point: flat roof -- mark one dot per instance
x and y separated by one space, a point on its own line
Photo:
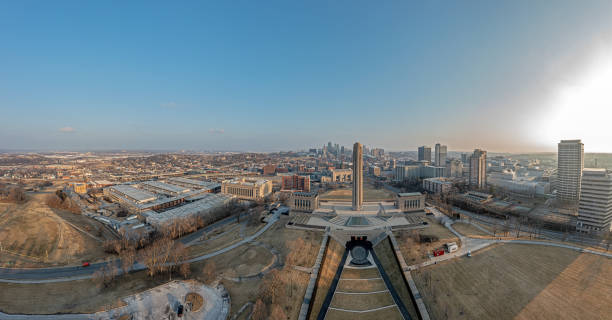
134 193
165 186
200 183
409 194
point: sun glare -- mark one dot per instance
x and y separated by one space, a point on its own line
582 109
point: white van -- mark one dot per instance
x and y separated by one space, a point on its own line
451 247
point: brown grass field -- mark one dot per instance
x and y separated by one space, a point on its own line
248 290
84 297
469 230
34 235
330 263
385 314
515 281
80 296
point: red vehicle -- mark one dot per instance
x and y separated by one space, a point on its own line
85 264
438 252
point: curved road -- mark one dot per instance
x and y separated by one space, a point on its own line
60 274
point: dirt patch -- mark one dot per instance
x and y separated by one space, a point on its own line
195 300
514 280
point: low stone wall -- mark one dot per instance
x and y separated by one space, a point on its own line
313 278
414 291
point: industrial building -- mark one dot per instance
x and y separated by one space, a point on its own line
164 188
247 188
153 195
205 205
207 186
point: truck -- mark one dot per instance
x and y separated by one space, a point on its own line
451 247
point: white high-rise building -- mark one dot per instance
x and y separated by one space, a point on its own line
478 169
569 170
595 209
440 155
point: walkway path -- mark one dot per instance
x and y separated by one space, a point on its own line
473 244
156 303
61 274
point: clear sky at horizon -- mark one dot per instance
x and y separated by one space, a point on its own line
279 75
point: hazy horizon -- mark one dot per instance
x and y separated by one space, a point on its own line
507 77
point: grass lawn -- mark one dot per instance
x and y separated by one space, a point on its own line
361 302
469 230
515 281
385 254
385 314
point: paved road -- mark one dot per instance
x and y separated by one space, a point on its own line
550 234
474 244
60 274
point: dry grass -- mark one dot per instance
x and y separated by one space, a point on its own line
362 302
241 259
385 314
80 296
350 273
385 254
34 235
415 252
513 280
361 285
84 297
330 263
469 230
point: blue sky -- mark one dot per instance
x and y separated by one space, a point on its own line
266 76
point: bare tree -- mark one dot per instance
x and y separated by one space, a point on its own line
128 257
273 287
277 313
259 311
185 269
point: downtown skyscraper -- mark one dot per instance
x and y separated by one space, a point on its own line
478 169
570 163
440 155
425 153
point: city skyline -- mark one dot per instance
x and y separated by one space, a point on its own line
396 76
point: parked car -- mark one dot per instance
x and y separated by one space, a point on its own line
85 264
